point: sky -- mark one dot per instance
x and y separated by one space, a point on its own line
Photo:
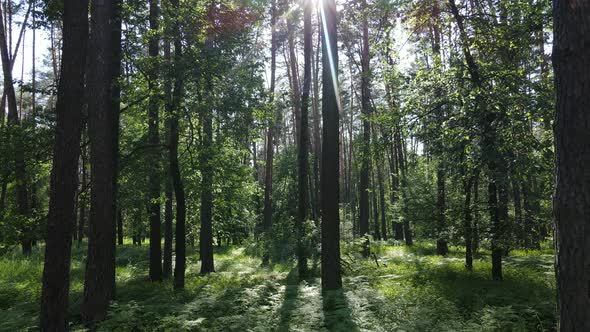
43 44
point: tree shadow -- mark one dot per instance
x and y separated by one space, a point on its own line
337 312
289 301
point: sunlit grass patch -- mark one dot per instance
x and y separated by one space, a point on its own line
397 288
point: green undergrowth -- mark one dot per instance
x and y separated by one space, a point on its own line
397 289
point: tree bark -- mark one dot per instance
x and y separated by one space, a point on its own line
120 226
366 112
155 267
180 232
22 202
267 223
467 224
571 202
64 180
103 122
296 93
83 194
206 233
303 156
442 247
330 190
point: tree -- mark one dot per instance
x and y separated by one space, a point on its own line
267 212
303 156
22 196
206 167
64 180
103 122
330 186
155 271
571 202
366 112
179 194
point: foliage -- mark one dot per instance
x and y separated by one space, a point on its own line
412 289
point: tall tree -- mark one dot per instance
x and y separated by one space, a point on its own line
64 179
491 155
22 196
571 203
366 111
155 271
99 285
179 195
206 167
303 157
330 184
267 222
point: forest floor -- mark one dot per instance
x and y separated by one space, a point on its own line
412 289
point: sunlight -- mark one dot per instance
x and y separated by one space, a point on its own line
331 59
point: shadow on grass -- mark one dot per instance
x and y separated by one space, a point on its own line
337 313
525 290
290 301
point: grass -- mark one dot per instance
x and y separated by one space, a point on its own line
411 290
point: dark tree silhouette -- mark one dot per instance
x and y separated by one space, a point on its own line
330 187
103 122
61 220
571 61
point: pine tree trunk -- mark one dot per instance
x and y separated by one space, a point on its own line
303 155
467 224
382 202
179 195
103 105
267 223
206 233
64 180
442 247
475 227
155 267
366 112
82 196
22 202
120 226
330 227
571 202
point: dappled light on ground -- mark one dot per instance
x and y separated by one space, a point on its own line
410 290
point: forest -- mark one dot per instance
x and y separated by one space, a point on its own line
295 165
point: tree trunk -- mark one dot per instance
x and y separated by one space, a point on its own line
316 130
83 192
442 247
518 222
180 234
206 233
366 112
296 90
22 201
167 268
64 180
103 116
475 228
467 224
382 202
155 268
402 166
330 227
491 153
120 226
377 233
303 156
571 202
267 223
